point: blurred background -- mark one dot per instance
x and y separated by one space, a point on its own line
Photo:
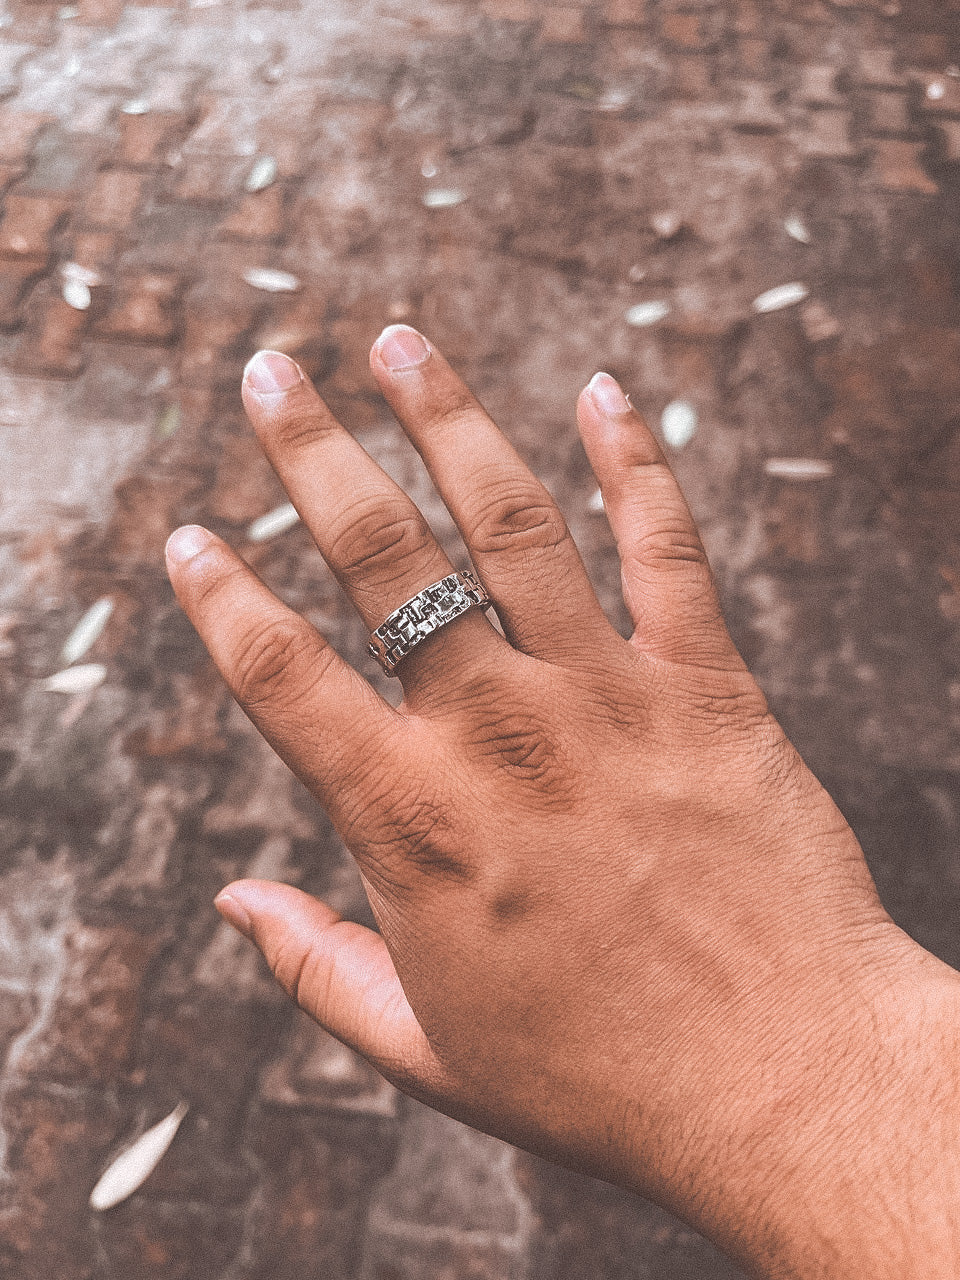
745 209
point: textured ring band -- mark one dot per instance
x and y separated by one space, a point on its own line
424 613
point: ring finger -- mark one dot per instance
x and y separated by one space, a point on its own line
372 535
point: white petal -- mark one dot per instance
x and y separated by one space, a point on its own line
76 294
271 281
647 313
279 520
262 174
443 197
797 228
133 1166
87 631
74 271
785 295
679 423
799 468
76 679
666 224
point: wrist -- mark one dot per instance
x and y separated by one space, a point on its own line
847 1161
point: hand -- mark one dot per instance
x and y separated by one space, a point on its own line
620 922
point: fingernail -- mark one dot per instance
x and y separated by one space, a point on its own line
401 347
187 542
608 395
234 913
271 372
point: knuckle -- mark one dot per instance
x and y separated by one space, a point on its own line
514 517
290 966
380 543
208 588
673 547
522 744
450 409
522 748
733 701
297 424
276 662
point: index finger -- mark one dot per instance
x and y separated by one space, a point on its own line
318 714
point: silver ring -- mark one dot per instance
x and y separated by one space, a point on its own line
424 613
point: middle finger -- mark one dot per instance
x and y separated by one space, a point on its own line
374 538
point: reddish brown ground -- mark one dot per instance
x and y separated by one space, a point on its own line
609 154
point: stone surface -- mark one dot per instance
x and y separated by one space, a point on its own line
608 154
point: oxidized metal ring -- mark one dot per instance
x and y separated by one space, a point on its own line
424 613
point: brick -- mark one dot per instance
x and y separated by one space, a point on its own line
145 308
114 199
28 225
146 139
259 216
16 279
889 112
827 135
316 1071
61 163
419 1191
18 129
879 67
91 1031
99 13
929 49
52 344
757 109
509 10
399 1257
746 18
245 486
209 179
216 316
691 78
170 234
309 1220
626 13
685 31
754 57
949 133
172 90
58 1142
563 26
95 250
12 56
8 175
178 1241
819 85
227 125
896 166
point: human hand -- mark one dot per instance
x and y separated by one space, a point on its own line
621 924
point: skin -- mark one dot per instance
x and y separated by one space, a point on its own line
620 922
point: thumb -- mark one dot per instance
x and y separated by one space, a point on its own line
338 972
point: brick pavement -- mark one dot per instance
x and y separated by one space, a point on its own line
513 176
